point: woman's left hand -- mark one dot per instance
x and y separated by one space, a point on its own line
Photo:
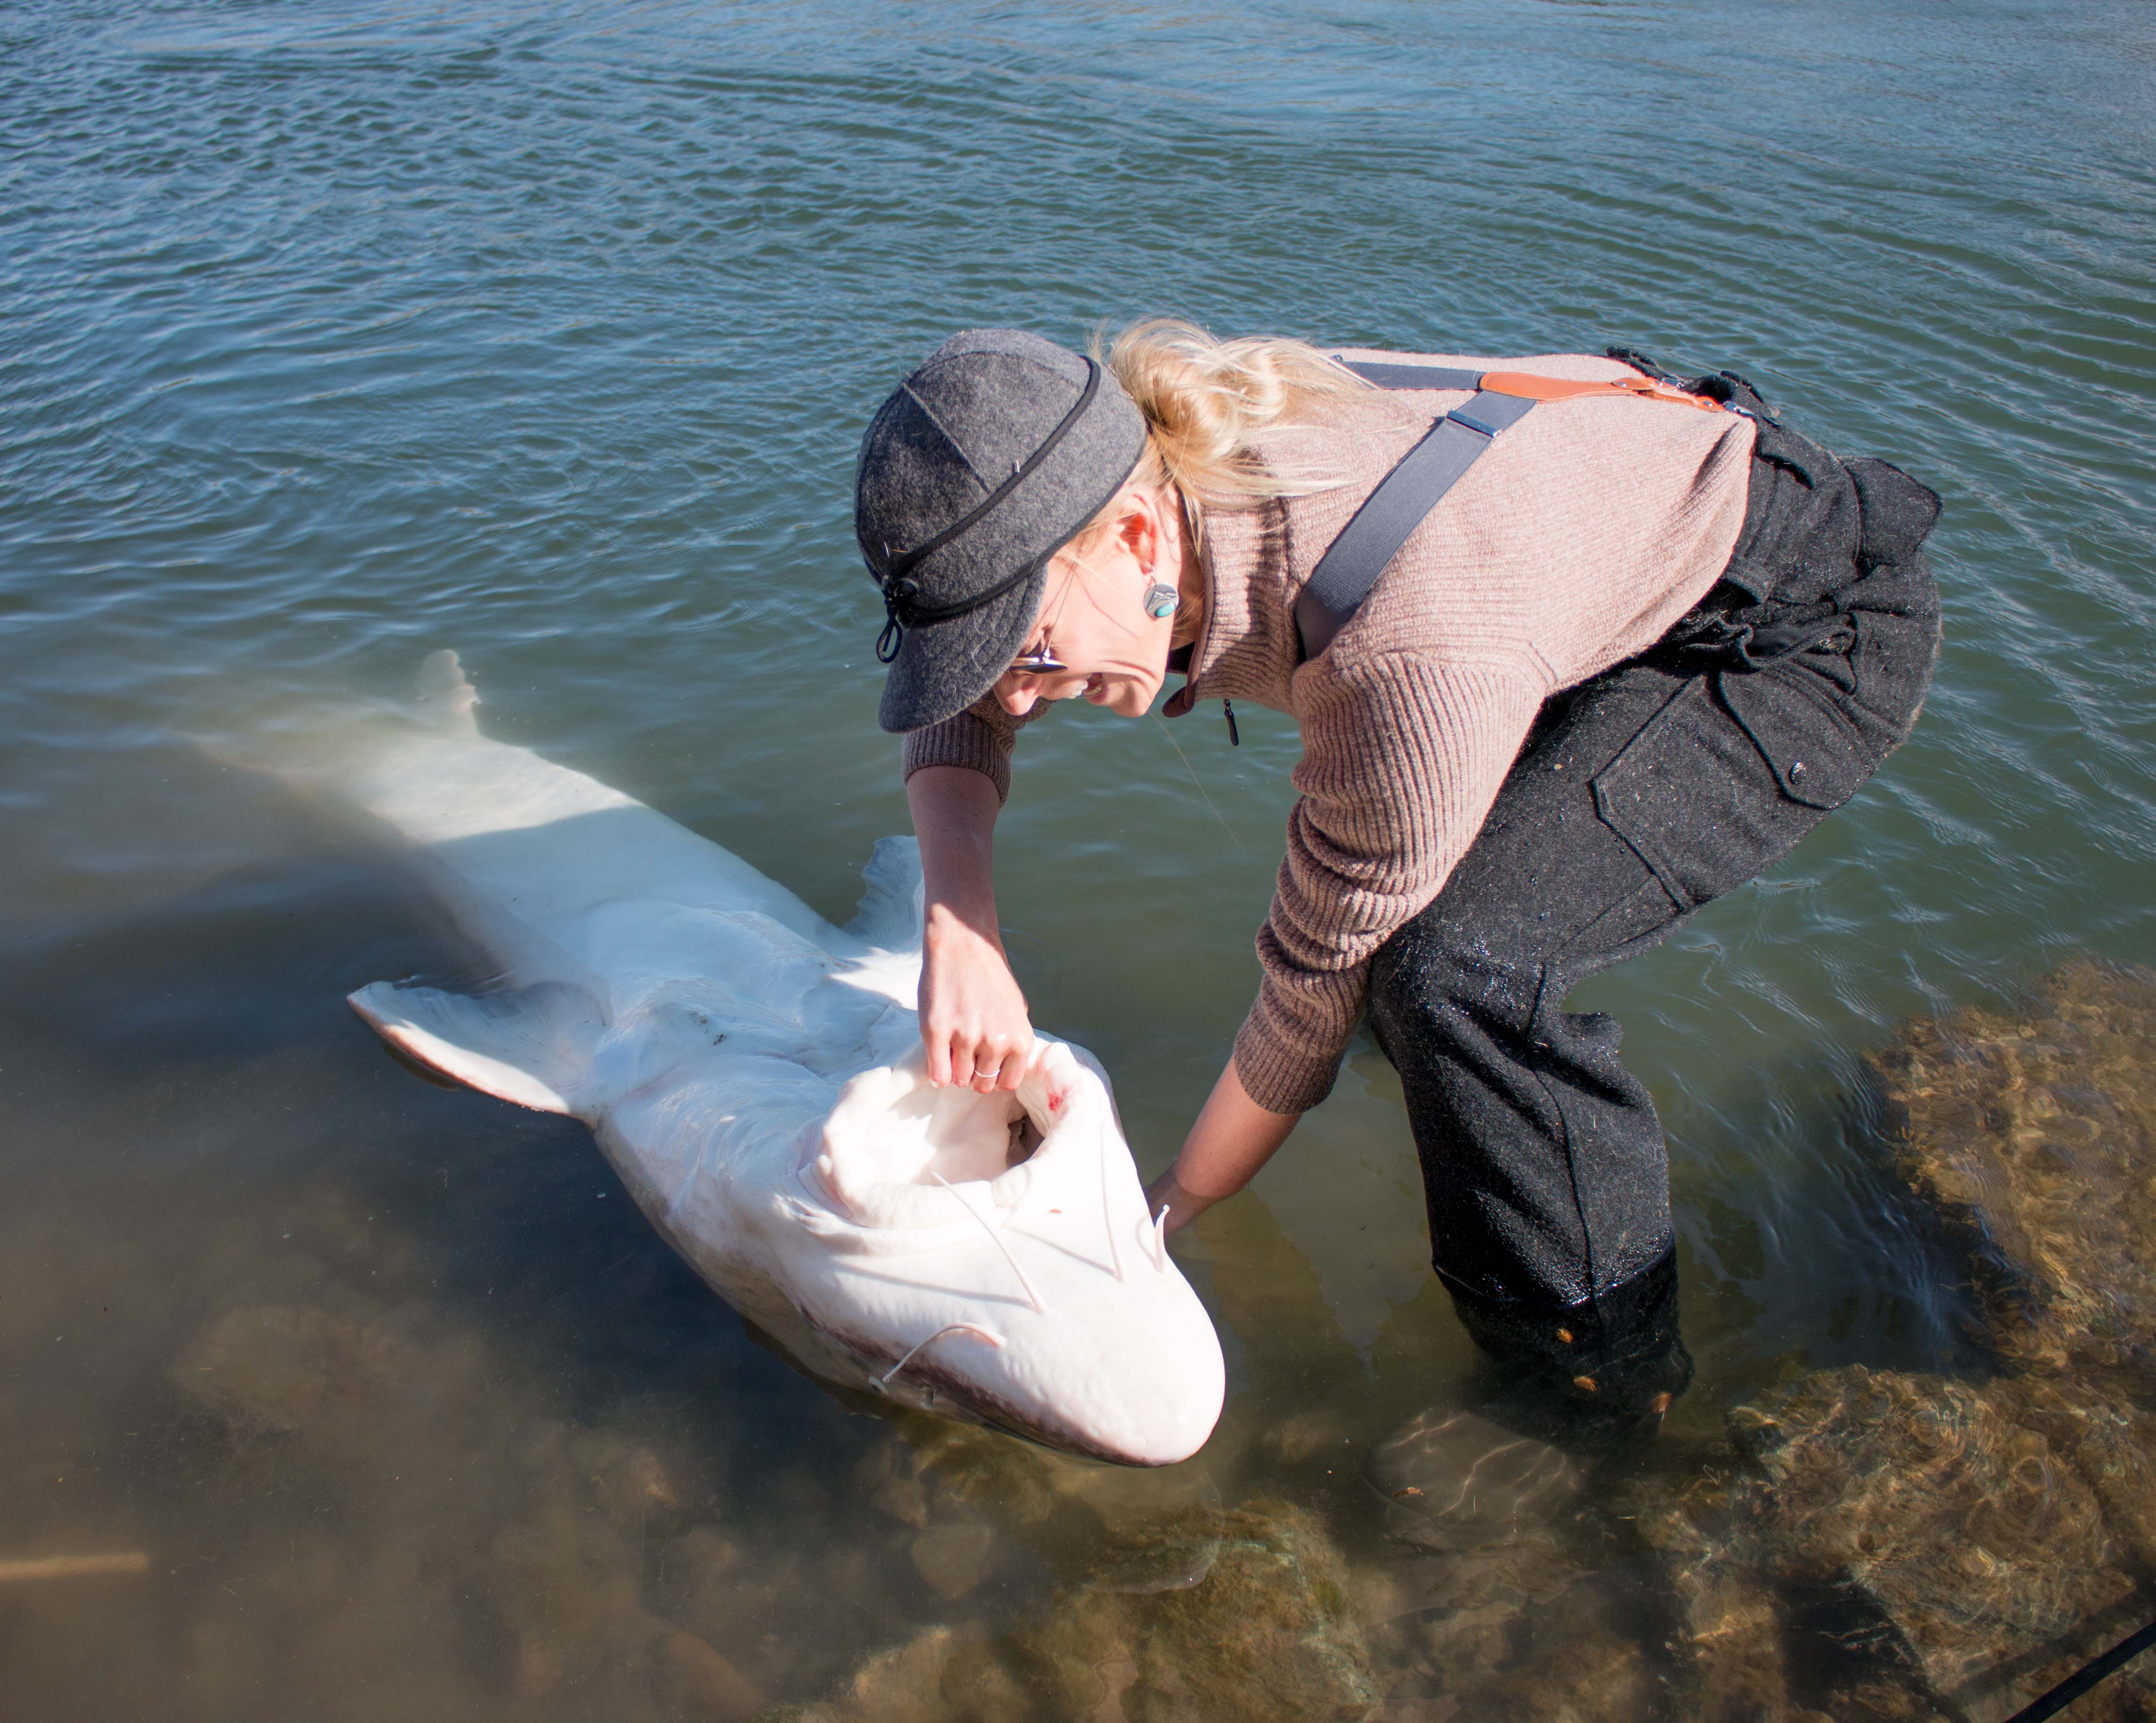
1183 1207
1234 1137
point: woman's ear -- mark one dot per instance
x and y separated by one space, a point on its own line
1140 529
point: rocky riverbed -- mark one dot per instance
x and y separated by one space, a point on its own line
1866 1544
1363 1539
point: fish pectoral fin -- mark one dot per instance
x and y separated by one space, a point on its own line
889 914
445 697
533 1047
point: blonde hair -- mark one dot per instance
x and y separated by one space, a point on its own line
1214 410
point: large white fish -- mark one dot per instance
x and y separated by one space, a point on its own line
755 1076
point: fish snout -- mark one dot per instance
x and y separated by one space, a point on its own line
1136 1380
1002 1267
944 1374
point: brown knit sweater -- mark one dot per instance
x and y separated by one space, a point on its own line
1575 541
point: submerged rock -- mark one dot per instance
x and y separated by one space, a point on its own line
1901 1545
1730 1635
1985 1536
903 1684
1585 1663
1447 1628
1072 1516
1264 1636
1910 1545
274 1374
489 1534
1455 1480
954 1559
1931 1523
2035 1138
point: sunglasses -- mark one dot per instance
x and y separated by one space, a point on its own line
1043 663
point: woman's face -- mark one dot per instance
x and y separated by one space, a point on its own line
1093 617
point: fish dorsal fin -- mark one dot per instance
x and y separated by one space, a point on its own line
889 914
533 1047
445 697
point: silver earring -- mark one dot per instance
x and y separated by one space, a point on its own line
1160 601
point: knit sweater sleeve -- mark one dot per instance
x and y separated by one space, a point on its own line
1402 757
981 738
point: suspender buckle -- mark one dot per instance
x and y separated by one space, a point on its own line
1648 388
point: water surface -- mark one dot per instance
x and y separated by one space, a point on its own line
333 334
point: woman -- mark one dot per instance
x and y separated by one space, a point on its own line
1645 640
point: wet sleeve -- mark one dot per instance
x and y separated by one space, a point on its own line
1402 759
980 738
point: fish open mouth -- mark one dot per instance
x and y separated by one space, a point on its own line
999 1250
894 1142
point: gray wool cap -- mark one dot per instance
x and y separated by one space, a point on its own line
984 464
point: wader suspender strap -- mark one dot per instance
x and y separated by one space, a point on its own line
1348 571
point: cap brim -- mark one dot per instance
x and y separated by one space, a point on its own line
942 668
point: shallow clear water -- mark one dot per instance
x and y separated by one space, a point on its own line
333 335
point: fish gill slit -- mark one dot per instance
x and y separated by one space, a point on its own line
995 1238
989 1335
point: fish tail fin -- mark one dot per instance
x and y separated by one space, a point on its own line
890 911
445 697
533 1047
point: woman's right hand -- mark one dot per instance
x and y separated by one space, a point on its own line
973 1020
